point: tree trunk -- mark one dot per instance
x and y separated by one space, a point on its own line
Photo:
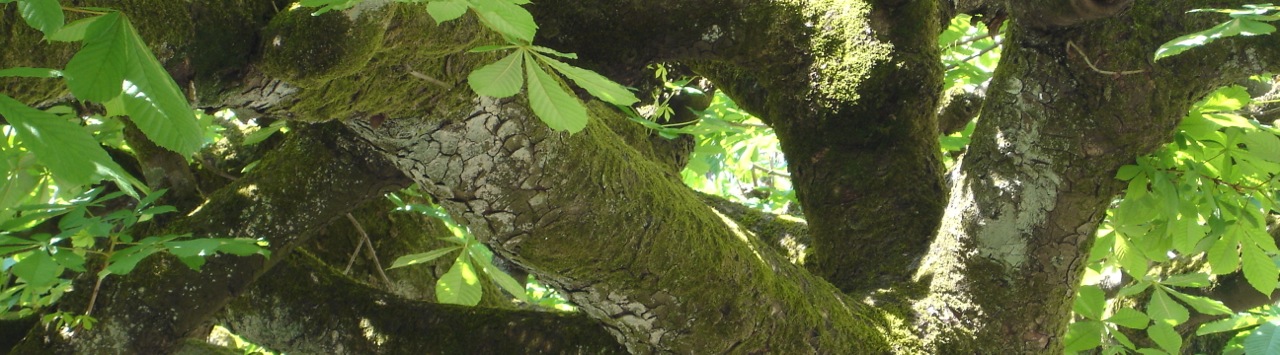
851 88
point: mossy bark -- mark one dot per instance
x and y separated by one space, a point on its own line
298 189
850 86
305 306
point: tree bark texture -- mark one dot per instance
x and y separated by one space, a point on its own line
899 263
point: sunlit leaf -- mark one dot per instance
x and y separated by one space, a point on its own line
459 285
499 79
1129 318
1083 336
96 72
44 15
552 104
67 150
506 18
1258 269
1090 302
446 10
1165 310
1264 340
1164 335
419 258
595 84
154 102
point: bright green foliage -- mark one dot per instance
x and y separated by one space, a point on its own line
1264 340
1251 20
556 107
502 78
96 72
42 265
61 145
460 285
44 15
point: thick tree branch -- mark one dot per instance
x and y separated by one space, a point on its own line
305 306
312 179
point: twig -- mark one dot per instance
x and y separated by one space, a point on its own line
979 54
1072 45
429 79
372 254
208 165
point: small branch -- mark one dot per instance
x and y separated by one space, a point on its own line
214 169
771 172
428 79
83 11
373 254
1072 45
979 54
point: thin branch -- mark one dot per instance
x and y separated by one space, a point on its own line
1072 45
427 78
372 254
979 54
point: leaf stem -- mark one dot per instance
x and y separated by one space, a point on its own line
83 11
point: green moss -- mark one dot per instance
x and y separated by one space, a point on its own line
392 84
309 51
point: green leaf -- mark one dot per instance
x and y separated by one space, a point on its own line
1237 322
242 247
1165 310
541 49
74 31
70 260
24 72
1223 256
1263 144
596 84
43 15
513 287
1202 304
1129 318
1264 340
1128 172
1164 335
1083 336
553 105
502 78
1198 279
39 270
1258 269
72 154
96 72
419 258
446 10
154 102
193 252
491 47
1090 302
124 260
459 286
506 18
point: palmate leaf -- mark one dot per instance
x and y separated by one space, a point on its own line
72 154
1129 318
552 104
1090 302
154 102
74 31
43 15
1202 304
502 78
96 72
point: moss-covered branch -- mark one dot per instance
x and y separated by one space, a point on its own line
313 178
280 313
